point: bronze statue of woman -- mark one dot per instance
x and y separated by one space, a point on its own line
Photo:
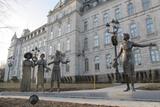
128 59
56 74
42 65
26 73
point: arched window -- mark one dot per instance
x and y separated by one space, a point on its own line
68 27
59 31
68 45
133 30
106 18
59 46
146 4
86 65
137 57
50 50
51 36
95 20
86 44
97 63
107 38
108 61
67 67
155 54
149 25
96 40
117 13
130 9
120 34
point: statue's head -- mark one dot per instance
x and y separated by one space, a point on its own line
28 55
58 53
126 36
42 56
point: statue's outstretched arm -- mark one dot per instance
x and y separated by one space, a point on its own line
65 62
143 45
51 62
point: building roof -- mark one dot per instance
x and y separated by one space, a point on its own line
14 36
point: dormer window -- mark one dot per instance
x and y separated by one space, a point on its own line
43 29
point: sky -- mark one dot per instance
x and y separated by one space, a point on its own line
19 15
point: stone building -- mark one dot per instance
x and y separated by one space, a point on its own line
78 28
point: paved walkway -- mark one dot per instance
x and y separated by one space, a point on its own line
108 96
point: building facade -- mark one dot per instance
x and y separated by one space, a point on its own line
78 28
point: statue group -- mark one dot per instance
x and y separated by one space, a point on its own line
125 52
42 68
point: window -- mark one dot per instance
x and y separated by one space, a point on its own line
50 50
44 42
63 47
67 67
43 29
59 46
25 50
130 9
59 31
51 32
97 63
86 65
137 57
95 20
96 40
108 61
117 13
107 37
85 25
133 30
68 27
149 25
146 4
155 54
40 43
120 34
106 18
86 44
68 45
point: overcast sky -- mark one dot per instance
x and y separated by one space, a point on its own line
18 15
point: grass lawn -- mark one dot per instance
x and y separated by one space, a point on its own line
64 87
150 86
25 103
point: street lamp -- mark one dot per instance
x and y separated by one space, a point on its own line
10 63
34 59
112 28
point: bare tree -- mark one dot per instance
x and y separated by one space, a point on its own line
5 9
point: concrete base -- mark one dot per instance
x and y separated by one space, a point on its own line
113 96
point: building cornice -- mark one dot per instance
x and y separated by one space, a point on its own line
60 19
55 10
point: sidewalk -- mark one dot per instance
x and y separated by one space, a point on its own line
113 96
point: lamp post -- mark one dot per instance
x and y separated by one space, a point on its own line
10 63
34 59
112 28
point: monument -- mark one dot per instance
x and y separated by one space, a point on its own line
128 59
26 75
56 75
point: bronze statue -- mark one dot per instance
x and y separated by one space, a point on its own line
42 67
128 59
56 75
26 73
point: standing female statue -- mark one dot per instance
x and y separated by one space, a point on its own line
56 74
26 73
42 65
128 59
